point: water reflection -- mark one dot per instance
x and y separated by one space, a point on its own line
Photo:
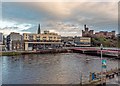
64 68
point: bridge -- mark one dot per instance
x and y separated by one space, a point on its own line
110 52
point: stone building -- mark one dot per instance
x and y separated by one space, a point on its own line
86 32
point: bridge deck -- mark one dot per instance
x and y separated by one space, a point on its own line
97 51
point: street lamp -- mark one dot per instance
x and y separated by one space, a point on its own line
101 48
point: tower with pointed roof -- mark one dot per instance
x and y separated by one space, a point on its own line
39 31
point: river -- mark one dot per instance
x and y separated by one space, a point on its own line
62 68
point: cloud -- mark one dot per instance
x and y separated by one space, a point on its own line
8 26
61 1
62 17
81 11
65 29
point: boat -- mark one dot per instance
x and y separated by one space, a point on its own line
87 59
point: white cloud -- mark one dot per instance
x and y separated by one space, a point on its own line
64 29
7 27
6 24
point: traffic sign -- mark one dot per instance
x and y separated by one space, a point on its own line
104 65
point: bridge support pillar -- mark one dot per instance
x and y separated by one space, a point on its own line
83 51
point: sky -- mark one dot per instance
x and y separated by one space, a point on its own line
64 17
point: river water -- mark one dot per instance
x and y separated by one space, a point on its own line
62 68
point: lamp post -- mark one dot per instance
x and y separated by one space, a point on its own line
101 48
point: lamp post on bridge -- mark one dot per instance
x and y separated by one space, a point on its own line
101 48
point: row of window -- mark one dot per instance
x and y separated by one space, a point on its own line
44 41
42 37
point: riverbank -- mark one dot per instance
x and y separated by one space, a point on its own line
14 53
87 51
10 53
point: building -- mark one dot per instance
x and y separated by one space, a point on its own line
86 32
118 35
1 38
90 33
1 42
39 41
67 39
82 41
76 41
14 41
105 34
85 41
44 37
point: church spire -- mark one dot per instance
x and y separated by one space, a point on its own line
39 32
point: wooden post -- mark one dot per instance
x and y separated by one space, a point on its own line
81 79
90 77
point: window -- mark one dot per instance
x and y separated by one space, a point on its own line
50 38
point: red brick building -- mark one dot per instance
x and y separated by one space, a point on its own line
105 34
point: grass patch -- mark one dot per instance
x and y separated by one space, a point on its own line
10 53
